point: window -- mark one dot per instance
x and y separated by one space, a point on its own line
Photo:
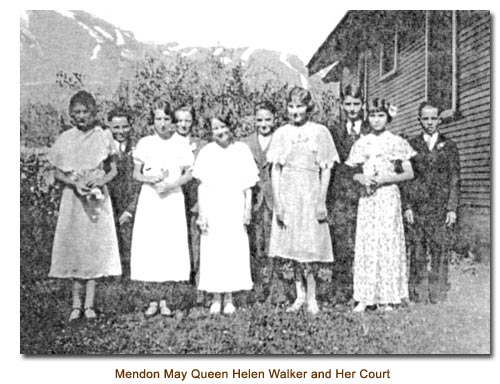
389 53
441 60
363 72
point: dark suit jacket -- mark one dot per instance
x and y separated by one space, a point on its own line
263 191
435 188
190 189
343 190
123 189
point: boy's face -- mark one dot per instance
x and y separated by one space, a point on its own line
352 107
264 121
120 128
429 119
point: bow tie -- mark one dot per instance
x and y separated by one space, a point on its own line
430 140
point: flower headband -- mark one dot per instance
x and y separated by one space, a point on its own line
384 105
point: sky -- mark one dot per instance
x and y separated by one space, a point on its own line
285 26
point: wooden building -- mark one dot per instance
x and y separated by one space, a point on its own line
411 56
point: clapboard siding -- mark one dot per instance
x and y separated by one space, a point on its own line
405 89
471 130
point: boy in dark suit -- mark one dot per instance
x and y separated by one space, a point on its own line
343 192
123 189
430 202
262 199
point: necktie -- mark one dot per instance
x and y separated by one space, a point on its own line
353 136
427 139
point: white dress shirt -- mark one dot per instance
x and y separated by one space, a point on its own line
431 140
356 127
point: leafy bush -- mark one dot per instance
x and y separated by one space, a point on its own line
39 206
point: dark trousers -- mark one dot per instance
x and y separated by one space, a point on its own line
124 235
343 232
429 243
194 237
260 235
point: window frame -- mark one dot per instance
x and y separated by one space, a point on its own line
395 55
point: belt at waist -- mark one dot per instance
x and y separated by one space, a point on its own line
299 168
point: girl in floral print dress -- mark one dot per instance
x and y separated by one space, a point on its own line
380 276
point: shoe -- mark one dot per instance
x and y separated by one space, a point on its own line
164 310
152 309
295 306
360 307
388 308
200 298
300 299
312 307
90 313
229 309
215 307
75 314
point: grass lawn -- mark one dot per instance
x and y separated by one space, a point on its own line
461 325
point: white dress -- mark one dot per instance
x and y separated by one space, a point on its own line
225 173
160 249
85 246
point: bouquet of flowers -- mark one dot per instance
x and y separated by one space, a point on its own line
94 197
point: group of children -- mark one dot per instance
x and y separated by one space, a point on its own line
308 193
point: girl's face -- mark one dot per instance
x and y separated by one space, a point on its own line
163 124
297 112
184 122
83 116
220 133
352 107
377 120
264 121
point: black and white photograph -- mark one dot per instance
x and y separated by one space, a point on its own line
244 178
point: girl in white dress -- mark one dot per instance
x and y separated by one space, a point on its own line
227 171
160 250
85 244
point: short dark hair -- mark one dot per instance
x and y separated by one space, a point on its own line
303 95
120 112
266 105
424 104
84 98
160 105
225 117
185 108
380 105
355 91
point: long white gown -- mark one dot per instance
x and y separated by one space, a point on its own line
225 173
160 249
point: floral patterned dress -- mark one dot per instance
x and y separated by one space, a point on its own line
380 268
302 152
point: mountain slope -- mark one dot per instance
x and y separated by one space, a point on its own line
70 42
